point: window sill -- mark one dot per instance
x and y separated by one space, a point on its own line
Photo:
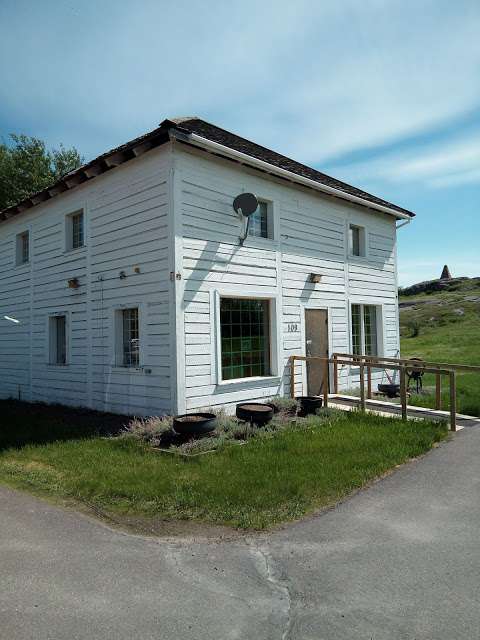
360 259
127 370
252 242
79 250
246 382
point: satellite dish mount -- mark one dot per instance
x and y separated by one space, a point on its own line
245 205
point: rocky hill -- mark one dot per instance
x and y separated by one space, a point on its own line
437 303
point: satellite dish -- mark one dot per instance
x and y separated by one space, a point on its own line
246 204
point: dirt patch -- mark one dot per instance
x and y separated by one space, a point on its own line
162 528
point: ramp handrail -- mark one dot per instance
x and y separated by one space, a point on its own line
365 362
385 362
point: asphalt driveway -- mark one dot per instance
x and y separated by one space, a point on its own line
400 560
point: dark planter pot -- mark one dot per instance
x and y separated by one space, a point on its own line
390 390
255 413
308 405
194 424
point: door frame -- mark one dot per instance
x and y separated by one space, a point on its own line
319 307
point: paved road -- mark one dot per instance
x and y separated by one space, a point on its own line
400 561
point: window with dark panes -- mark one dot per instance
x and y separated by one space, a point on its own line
364 330
258 222
130 338
23 248
58 340
357 241
245 337
77 230
356 330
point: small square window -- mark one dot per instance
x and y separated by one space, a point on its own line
128 338
260 223
357 245
58 340
23 248
75 229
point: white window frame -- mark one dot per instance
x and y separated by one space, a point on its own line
19 262
117 337
52 339
275 320
380 315
273 227
69 230
363 240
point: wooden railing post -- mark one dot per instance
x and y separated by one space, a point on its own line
453 401
362 386
369 381
335 374
438 392
292 376
403 392
326 382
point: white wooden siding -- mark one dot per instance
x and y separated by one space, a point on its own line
127 225
312 239
170 211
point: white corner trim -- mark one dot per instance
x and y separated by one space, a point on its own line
177 290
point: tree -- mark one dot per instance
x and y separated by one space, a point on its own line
27 166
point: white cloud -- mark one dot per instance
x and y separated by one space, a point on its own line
310 79
458 178
437 165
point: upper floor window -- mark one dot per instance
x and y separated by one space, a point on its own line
364 330
260 222
357 243
23 248
58 339
75 229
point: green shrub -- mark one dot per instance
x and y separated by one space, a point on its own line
284 405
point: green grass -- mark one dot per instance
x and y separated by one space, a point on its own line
265 482
446 336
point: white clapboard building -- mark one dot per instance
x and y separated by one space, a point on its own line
126 286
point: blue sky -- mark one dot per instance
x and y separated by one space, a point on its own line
382 94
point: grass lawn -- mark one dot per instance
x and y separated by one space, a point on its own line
269 480
457 343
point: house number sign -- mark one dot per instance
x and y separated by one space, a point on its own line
292 327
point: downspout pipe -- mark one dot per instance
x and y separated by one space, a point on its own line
402 224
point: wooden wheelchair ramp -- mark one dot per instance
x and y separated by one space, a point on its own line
348 403
366 365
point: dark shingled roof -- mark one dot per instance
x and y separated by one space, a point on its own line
160 135
231 140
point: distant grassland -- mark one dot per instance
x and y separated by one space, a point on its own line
448 326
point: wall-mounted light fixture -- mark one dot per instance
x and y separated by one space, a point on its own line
73 283
315 278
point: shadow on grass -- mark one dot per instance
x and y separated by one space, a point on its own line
23 423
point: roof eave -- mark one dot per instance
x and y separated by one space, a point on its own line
89 171
185 136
